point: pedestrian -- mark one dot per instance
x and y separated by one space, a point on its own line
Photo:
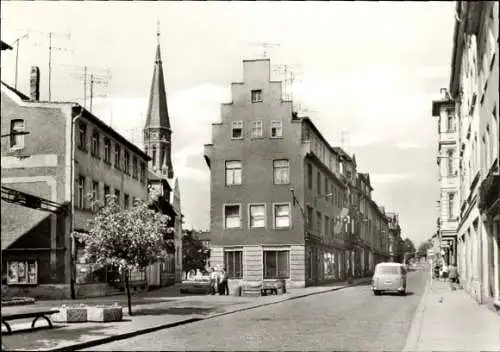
223 286
453 276
213 281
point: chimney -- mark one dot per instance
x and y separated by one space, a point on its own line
35 83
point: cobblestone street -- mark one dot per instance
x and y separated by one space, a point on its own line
349 319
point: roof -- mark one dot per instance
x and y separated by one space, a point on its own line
17 220
5 46
109 130
436 105
15 91
157 114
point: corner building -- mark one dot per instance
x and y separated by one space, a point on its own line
261 151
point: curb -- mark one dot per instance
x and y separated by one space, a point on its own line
416 323
92 343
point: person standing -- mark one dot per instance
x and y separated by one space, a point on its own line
224 286
213 281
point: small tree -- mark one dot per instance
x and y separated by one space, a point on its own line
422 249
194 254
127 238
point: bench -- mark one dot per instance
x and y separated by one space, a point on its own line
33 314
273 287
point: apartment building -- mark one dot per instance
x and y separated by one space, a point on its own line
280 193
66 154
473 91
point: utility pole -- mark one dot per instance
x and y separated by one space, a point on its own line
265 47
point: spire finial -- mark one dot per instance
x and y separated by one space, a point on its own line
158 31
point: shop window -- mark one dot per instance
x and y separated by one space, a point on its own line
276 264
22 272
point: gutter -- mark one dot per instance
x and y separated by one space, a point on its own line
72 195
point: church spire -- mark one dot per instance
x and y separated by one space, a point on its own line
157 115
157 132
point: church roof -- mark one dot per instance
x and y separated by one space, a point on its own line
157 115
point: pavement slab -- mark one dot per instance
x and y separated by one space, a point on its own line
450 320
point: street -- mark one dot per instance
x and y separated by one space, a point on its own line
348 319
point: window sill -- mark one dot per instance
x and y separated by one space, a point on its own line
257 101
22 284
277 137
254 137
237 138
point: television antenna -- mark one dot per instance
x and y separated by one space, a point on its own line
52 35
16 43
265 47
344 135
91 76
288 74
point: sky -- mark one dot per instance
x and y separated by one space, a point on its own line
365 73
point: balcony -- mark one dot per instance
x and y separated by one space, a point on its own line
488 191
448 136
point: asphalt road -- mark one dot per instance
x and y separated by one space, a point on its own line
349 319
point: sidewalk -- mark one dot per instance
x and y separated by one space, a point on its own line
451 321
151 312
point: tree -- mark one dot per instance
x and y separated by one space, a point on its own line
408 249
422 249
194 254
127 238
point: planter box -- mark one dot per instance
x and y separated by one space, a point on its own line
104 313
71 315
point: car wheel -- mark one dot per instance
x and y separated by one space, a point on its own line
403 293
183 291
376 292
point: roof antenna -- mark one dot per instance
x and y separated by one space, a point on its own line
158 31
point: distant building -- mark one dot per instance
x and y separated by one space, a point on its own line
394 237
283 200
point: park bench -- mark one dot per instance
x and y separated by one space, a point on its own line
32 314
273 287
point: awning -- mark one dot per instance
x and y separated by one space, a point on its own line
17 220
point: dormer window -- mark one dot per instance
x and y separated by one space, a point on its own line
17 134
257 96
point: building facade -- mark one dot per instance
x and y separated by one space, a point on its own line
68 157
281 195
473 93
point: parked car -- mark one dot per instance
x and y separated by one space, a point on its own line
196 284
389 277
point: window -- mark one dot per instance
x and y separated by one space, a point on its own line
309 216
281 215
16 134
24 272
232 216
117 156
107 150
257 129
450 162
309 176
135 167
451 122
237 130
233 173
106 193
276 129
94 148
117 195
95 191
326 188
233 261
256 95
281 172
126 200
126 162
81 192
82 136
318 222
318 182
143 173
451 198
257 215
327 226
153 155
276 264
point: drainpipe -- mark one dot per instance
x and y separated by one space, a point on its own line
72 195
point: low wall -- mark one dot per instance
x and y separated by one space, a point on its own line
47 291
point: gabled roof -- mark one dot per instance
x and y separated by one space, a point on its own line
157 114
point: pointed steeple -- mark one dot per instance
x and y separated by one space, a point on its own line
157 132
157 115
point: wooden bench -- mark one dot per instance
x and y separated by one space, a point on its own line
33 314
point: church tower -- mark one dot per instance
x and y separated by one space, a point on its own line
157 131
